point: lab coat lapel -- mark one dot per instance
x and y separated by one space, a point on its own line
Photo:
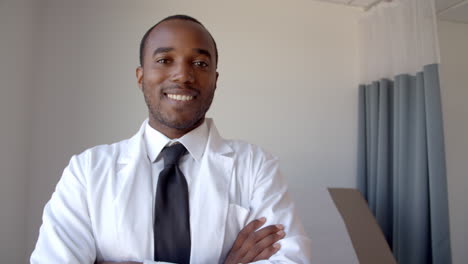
209 200
133 200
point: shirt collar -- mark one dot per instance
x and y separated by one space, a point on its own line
194 141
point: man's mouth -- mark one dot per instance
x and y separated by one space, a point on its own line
180 97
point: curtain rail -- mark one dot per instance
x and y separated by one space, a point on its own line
456 5
375 3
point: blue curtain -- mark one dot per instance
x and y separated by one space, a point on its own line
401 169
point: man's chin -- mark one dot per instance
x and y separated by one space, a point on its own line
182 124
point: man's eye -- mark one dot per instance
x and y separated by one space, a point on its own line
163 61
201 64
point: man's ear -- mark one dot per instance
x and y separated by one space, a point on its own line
139 76
216 80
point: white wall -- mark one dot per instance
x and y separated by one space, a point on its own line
453 38
287 82
15 85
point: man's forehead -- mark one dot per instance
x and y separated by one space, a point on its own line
178 30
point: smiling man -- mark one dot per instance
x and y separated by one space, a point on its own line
177 191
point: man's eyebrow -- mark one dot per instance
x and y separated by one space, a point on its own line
162 50
204 52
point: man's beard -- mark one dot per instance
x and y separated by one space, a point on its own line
158 115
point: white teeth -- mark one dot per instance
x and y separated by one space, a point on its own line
180 97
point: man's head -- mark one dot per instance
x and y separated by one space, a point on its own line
181 17
178 74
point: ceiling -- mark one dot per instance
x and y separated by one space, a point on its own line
453 10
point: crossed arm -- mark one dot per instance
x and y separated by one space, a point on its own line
66 233
250 245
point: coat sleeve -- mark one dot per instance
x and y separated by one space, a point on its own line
270 198
65 236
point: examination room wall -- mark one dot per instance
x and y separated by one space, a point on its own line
453 38
288 82
15 86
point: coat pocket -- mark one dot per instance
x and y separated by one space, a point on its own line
236 220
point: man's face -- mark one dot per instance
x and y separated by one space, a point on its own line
178 76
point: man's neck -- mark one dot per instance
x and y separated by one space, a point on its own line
171 132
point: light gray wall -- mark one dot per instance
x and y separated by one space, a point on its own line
287 82
453 38
15 85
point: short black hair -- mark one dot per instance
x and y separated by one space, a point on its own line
174 17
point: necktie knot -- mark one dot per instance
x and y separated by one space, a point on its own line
172 154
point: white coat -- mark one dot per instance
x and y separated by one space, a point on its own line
102 206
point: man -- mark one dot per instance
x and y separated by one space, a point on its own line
176 191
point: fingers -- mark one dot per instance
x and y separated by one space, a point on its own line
266 231
265 247
247 231
268 252
259 235
252 245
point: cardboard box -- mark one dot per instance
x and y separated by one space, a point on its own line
366 236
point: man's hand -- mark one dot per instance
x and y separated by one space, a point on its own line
252 246
249 246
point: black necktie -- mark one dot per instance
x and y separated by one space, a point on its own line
171 214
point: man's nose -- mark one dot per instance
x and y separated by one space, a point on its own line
183 73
